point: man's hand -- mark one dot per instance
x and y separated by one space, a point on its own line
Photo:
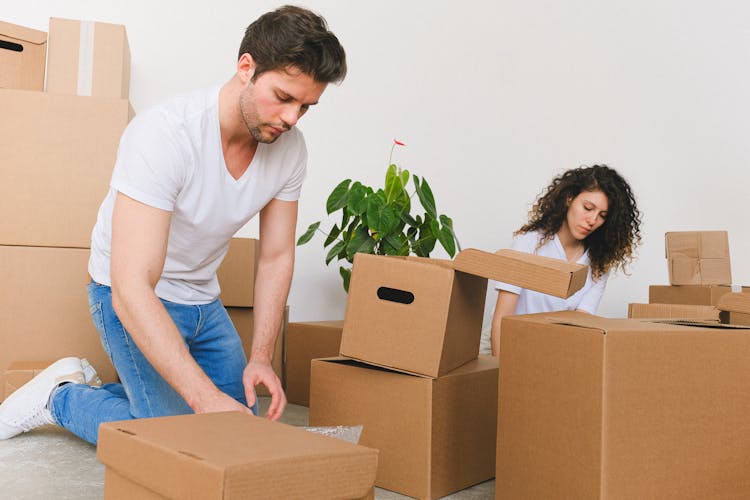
261 373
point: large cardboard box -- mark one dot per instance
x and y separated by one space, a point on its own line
435 436
706 295
735 308
237 272
698 258
305 342
673 311
57 157
23 52
242 317
229 456
88 59
45 309
424 316
596 408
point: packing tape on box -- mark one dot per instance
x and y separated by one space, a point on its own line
736 288
86 58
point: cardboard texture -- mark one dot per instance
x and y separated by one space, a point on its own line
706 295
23 53
237 272
424 316
735 308
88 59
305 342
435 436
596 408
53 279
57 152
698 258
242 317
673 311
229 456
20 372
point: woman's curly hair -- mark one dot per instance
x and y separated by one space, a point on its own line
612 245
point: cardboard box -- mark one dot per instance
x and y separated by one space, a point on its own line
20 372
698 258
229 456
705 295
305 342
596 408
673 311
237 272
424 316
57 157
45 309
242 317
735 308
435 436
88 59
23 52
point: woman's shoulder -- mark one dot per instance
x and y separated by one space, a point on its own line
526 242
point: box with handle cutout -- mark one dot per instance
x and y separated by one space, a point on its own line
424 316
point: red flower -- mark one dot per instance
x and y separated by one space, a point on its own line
399 142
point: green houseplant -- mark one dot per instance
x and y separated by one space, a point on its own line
380 221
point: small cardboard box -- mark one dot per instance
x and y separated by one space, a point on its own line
435 436
20 372
699 295
53 279
237 272
242 317
735 308
305 342
596 408
229 455
57 157
23 52
424 316
698 258
88 59
673 311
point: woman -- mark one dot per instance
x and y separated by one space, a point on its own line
587 215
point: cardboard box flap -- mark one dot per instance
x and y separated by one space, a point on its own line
735 302
23 33
232 455
697 323
534 272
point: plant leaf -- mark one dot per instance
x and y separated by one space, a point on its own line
357 199
339 197
346 276
308 234
396 244
334 251
361 242
381 217
445 237
425 196
335 231
447 223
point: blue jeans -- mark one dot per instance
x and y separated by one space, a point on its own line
210 337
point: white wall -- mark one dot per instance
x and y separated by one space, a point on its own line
493 100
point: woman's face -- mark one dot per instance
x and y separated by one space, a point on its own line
586 213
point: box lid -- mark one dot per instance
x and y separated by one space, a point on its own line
542 274
23 33
232 455
735 302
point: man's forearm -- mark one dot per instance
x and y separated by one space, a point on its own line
271 290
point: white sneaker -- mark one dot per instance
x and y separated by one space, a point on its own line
26 408
89 374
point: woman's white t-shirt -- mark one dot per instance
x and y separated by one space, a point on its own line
586 299
170 157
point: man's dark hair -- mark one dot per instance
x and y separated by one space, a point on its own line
294 37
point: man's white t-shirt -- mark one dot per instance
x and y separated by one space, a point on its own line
529 301
170 157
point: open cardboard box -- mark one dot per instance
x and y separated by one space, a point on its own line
735 308
424 316
229 456
601 408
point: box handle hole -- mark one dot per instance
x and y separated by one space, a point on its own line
395 295
15 47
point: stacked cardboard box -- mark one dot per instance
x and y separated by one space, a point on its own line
229 455
58 151
616 408
23 52
305 342
735 308
237 281
409 370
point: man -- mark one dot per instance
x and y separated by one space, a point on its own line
189 174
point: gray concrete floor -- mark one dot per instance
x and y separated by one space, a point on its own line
50 463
